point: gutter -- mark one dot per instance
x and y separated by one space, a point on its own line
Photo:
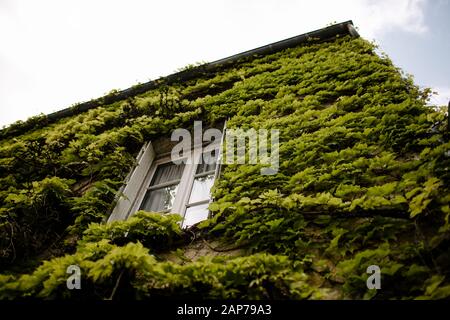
320 35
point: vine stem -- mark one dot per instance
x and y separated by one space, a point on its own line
116 286
222 250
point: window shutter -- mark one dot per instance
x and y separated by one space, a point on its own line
133 184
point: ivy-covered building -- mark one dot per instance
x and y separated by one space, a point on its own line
363 180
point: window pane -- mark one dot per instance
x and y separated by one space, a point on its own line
167 172
159 199
201 188
195 214
205 167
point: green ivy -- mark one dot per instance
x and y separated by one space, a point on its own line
153 230
363 180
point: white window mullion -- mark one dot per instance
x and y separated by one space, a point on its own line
186 184
200 204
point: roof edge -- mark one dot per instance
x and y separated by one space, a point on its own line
320 35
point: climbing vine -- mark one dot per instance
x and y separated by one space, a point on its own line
363 180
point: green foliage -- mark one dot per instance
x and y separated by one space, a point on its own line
363 180
32 217
153 230
258 276
93 205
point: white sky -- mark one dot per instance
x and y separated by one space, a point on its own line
56 53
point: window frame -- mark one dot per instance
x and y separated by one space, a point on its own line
197 152
146 184
131 194
186 184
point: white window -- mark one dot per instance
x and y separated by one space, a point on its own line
161 185
196 206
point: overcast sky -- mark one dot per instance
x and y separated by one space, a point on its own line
54 53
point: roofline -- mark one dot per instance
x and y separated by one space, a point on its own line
320 35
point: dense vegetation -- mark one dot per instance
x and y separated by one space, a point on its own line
363 180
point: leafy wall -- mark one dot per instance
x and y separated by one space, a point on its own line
363 180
